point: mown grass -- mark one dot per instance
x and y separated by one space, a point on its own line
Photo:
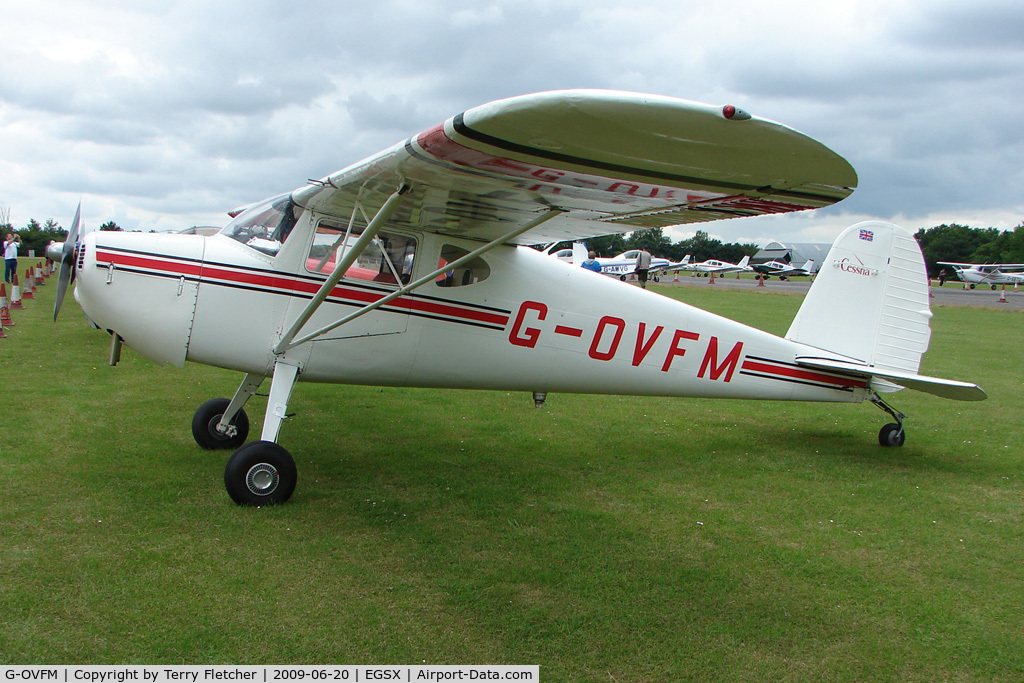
603 538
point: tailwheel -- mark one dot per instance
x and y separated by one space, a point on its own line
891 434
206 419
260 473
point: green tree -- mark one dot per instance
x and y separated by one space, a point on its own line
655 239
953 242
35 237
700 247
1008 247
110 226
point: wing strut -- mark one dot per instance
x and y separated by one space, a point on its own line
351 254
286 343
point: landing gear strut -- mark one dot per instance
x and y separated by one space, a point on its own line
259 472
891 434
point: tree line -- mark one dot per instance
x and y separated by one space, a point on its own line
35 236
946 242
700 247
961 244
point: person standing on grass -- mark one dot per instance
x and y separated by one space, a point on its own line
643 264
11 256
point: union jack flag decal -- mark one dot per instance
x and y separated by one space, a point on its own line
867 235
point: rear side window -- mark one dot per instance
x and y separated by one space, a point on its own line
471 272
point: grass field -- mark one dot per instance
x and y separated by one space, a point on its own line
603 538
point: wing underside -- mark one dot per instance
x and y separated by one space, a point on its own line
611 162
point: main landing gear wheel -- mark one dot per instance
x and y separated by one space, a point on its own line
206 419
260 473
892 434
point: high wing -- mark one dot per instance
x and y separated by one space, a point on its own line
984 266
567 165
608 161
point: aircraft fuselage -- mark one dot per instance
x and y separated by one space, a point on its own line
532 324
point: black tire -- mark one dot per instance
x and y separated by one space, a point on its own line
892 435
204 426
260 473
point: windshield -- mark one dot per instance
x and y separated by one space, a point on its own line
265 226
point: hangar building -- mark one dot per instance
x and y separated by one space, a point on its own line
795 255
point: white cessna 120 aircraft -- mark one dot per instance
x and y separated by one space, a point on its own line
411 268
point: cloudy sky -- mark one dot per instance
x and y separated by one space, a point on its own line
162 115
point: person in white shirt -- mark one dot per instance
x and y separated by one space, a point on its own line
11 256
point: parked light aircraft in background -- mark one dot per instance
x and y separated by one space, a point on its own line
623 265
992 274
783 270
408 269
716 267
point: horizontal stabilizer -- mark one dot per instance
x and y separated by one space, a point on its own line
945 388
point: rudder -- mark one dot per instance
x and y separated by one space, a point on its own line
869 301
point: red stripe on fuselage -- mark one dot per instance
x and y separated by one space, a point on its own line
284 284
806 375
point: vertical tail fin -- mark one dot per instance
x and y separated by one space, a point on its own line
869 301
579 253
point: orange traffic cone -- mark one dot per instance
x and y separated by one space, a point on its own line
26 291
16 295
712 278
1002 297
5 311
760 280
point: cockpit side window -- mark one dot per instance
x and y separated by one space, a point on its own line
471 272
388 260
265 226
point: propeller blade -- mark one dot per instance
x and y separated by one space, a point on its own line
67 262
